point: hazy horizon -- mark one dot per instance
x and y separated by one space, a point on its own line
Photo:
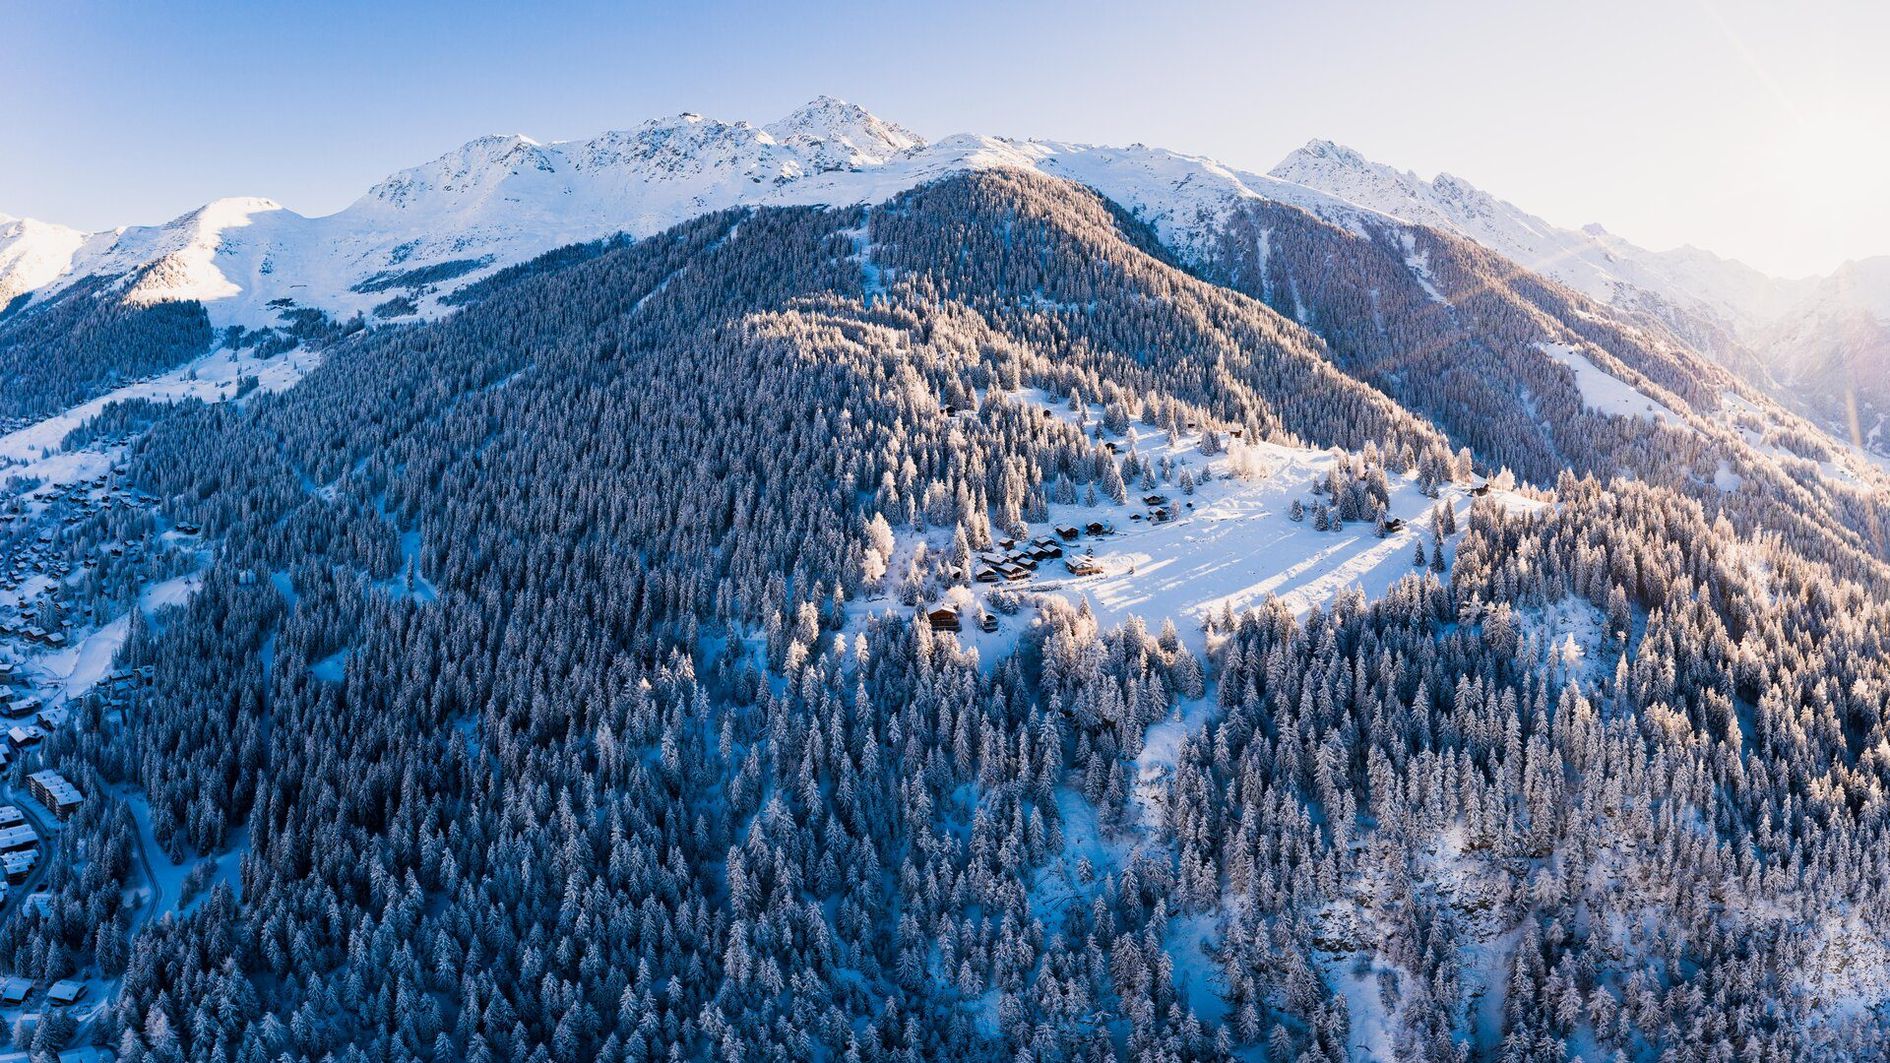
1751 132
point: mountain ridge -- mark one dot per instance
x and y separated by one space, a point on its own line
708 163
499 200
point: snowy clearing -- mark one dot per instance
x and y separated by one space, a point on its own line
1603 392
34 451
1231 543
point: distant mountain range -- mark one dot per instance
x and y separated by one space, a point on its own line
1821 343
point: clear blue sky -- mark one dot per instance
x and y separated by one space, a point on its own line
1758 130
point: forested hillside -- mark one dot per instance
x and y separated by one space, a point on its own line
1458 335
558 685
87 341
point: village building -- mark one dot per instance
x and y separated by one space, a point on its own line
52 790
16 838
18 865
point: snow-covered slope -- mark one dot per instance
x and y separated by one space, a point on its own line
1186 198
1834 349
1823 342
1230 544
1687 287
1856 296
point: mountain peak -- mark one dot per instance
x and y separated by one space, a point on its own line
846 129
33 253
480 160
1325 152
1339 170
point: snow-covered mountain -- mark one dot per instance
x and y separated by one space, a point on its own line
1821 342
1464 582
1692 290
489 203
33 254
1834 348
498 200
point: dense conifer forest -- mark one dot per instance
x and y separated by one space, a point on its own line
545 684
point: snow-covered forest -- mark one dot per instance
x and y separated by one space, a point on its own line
558 678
